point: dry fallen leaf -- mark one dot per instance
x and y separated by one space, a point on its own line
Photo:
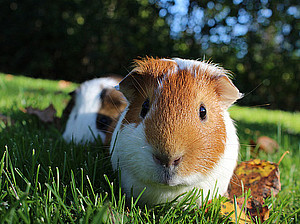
9 77
263 178
47 115
259 175
265 144
63 84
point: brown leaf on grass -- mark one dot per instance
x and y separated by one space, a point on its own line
47 115
263 178
265 144
258 175
63 84
9 77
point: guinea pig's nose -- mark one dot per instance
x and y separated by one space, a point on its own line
167 161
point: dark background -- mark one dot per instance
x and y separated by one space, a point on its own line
78 40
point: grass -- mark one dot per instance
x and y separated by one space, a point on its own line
45 180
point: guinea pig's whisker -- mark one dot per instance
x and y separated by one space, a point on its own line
107 132
207 169
133 136
144 94
240 144
117 108
235 179
216 157
126 121
208 159
234 176
105 158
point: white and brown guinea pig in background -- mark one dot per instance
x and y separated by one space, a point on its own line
176 133
94 110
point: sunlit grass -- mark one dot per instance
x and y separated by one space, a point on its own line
19 92
287 120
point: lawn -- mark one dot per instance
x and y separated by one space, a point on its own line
45 180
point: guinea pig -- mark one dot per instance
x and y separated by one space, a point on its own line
93 110
176 134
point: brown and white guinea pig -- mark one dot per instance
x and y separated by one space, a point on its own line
94 110
175 134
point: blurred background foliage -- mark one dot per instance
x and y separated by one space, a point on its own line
76 40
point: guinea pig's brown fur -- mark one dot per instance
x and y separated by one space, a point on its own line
113 103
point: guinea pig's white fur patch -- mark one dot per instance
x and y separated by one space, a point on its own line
81 124
133 156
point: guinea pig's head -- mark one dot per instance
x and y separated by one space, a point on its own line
174 127
93 110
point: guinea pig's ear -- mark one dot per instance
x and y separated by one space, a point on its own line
129 85
227 91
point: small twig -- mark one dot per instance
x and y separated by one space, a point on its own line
281 158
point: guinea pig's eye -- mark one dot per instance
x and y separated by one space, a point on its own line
145 108
202 112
